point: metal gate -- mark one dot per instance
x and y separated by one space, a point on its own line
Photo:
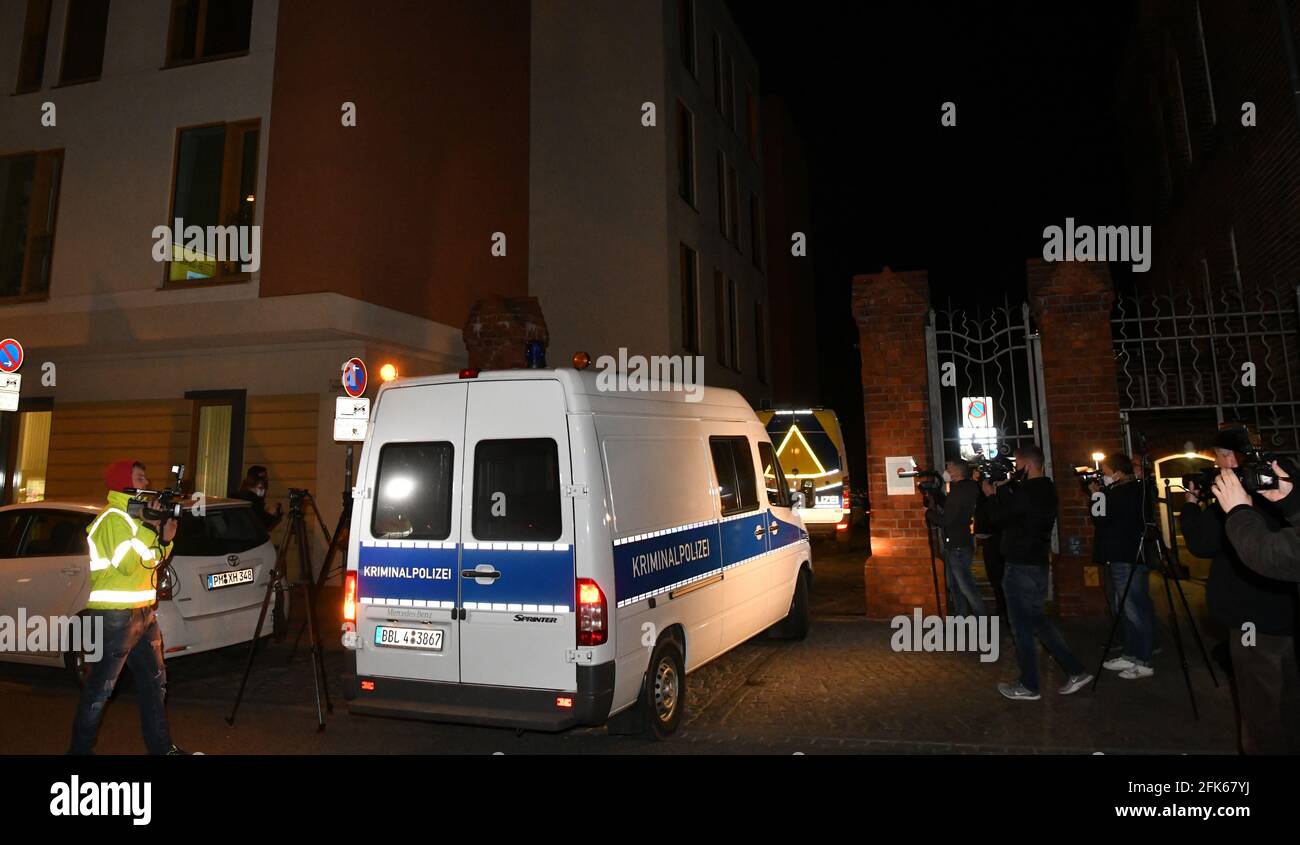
989 354
1202 351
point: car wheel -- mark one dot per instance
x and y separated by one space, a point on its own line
797 622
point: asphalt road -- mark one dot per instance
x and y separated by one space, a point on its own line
843 690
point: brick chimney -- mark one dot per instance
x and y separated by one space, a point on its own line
497 329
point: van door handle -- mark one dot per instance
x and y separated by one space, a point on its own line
758 531
480 573
773 528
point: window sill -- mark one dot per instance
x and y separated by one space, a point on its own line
73 82
222 281
24 298
25 91
168 65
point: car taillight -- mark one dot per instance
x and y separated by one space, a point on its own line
350 597
593 613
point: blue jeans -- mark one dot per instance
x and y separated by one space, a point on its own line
1139 618
964 598
1026 589
131 638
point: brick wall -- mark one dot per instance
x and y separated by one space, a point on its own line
1071 303
890 311
498 328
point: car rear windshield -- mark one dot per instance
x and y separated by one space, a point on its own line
222 531
517 490
413 492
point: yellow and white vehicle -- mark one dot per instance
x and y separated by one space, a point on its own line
810 446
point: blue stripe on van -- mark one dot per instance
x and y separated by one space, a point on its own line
787 533
541 577
400 573
651 564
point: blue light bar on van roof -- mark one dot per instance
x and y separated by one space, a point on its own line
803 411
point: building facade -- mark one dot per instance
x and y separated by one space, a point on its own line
646 229
375 232
360 181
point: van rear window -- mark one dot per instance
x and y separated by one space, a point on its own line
517 490
733 461
413 492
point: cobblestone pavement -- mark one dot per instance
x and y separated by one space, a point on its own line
843 690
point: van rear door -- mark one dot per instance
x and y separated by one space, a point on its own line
517 578
408 530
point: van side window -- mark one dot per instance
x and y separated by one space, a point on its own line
517 490
413 492
733 461
778 493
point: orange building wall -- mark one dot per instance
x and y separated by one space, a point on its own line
400 209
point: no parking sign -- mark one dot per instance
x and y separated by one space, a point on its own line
354 377
11 355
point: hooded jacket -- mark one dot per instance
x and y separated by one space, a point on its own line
124 553
1235 593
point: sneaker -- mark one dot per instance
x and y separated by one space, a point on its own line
1137 670
1017 692
181 752
1076 683
1119 664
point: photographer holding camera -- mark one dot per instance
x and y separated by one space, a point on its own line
1025 511
953 518
1259 613
126 555
1120 522
1275 554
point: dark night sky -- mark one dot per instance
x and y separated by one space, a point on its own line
1035 142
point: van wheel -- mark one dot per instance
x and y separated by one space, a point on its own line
663 694
658 710
797 622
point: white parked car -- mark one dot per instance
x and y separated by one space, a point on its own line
221 561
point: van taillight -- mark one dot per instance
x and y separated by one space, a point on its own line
846 502
350 597
469 372
593 614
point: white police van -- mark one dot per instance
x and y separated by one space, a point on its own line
530 551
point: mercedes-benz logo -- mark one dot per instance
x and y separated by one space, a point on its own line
233 560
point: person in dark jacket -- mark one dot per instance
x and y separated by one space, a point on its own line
253 490
990 540
1259 614
1025 512
1274 554
953 518
1118 508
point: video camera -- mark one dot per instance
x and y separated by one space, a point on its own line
158 505
929 482
1255 472
992 470
1089 475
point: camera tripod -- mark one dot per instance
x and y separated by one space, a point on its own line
278 583
1151 544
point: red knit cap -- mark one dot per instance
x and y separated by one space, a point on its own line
118 475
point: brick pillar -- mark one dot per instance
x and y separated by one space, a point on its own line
1071 303
498 328
891 312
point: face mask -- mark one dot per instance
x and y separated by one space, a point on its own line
1108 480
261 492
947 476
